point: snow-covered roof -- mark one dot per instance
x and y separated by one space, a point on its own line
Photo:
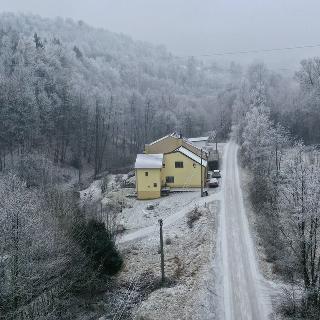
198 139
192 156
173 134
156 141
149 161
194 145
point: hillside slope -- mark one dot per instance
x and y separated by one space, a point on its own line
69 89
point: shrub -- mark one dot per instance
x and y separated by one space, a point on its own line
193 216
99 246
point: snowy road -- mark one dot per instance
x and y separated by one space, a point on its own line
241 285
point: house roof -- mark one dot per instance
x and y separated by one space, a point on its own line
187 142
149 161
198 139
192 156
173 134
192 143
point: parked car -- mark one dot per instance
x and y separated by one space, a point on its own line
216 174
213 183
165 192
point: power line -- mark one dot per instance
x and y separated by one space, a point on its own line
256 51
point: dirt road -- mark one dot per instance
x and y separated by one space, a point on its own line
241 287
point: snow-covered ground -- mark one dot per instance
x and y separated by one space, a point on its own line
142 222
189 254
92 193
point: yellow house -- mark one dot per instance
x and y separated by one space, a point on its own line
148 175
182 169
169 162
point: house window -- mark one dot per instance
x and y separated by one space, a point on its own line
179 164
194 165
163 165
155 185
170 179
146 173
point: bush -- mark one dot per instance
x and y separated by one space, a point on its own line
193 216
99 246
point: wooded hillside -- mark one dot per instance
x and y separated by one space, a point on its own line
89 96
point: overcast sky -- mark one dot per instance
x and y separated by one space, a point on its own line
199 27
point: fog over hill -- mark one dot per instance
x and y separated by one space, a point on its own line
193 28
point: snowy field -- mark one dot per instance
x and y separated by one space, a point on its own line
188 256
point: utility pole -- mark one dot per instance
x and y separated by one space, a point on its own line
201 176
216 141
161 252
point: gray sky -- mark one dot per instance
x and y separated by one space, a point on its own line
197 27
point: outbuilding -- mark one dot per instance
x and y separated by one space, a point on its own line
148 176
200 142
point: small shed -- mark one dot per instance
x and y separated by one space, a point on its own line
148 175
199 142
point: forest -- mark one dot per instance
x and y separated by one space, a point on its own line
91 97
73 97
77 98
